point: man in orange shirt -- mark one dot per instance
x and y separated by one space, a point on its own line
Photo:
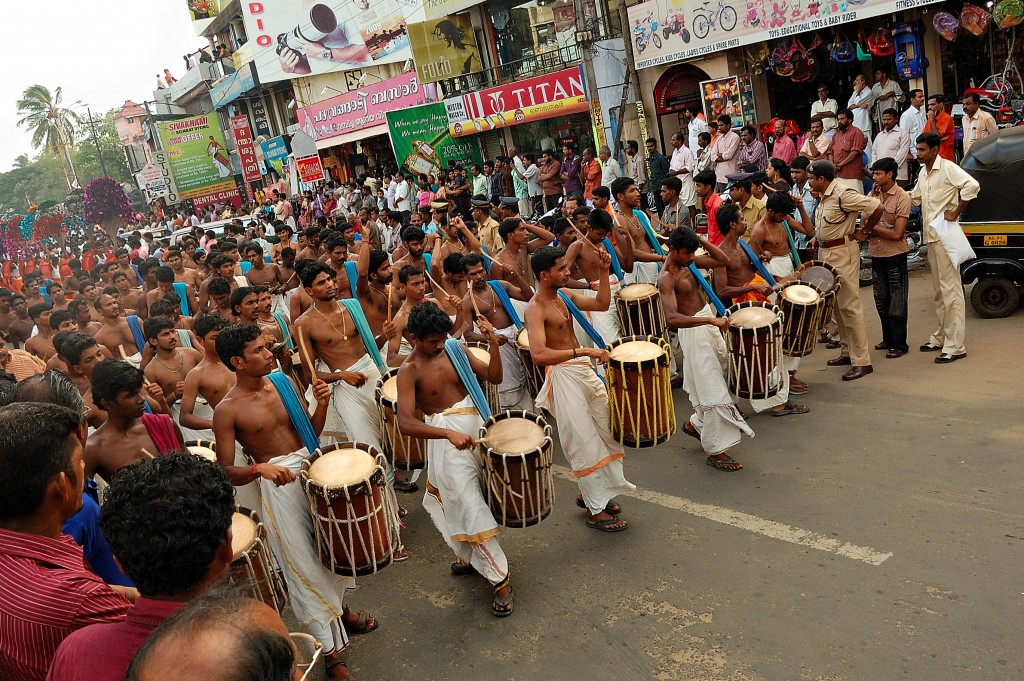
590 171
941 123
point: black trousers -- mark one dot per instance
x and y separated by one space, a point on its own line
891 286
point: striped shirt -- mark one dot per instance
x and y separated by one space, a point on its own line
46 592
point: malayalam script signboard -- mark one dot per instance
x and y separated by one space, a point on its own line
363 108
666 31
246 151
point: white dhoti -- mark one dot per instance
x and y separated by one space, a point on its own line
188 433
454 497
312 588
715 415
512 393
357 407
135 360
279 304
578 400
605 322
646 272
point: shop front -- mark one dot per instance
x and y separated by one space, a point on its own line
784 55
532 115
350 130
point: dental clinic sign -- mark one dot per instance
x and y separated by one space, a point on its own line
555 94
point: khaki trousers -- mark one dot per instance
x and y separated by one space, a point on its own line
849 312
949 301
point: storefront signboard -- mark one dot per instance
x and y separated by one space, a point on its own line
246 151
555 94
310 169
363 108
197 155
423 142
667 31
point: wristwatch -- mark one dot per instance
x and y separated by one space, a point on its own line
326 54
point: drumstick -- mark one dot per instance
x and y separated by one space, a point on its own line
389 302
585 239
305 354
435 284
147 453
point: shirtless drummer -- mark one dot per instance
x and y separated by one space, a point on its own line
427 381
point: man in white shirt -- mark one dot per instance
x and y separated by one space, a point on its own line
695 125
913 119
194 220
860 105
531 173
610 170
943 190
825 110
723 152
404 197
891 142
886 93
681 166
977 123
389 193
519 183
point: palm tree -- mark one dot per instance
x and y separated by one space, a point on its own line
22 161
52 125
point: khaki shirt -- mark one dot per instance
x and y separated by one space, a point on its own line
838 210
489 236
941 189
895 204
752 212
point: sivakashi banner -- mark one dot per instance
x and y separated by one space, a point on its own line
197 156
666 31
423 143
303 37
444 48
554 94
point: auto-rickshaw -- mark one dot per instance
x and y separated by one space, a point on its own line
994 223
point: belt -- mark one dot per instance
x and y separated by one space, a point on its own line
836 243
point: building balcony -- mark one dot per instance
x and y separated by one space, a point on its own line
194 83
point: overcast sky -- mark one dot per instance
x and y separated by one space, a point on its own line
100 52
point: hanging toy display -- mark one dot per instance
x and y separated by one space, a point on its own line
880 43
974 19
946 25
1008 13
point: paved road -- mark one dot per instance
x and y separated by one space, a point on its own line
878 537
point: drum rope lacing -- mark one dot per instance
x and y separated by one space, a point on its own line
270 585
505 503
627 412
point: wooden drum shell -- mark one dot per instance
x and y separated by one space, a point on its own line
253 567
403 451
640 315
802 322
519 487
755 354
641 412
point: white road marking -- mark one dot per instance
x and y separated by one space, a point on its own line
752 523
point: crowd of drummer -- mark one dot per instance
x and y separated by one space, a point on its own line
95 361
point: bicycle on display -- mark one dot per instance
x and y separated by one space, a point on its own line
705 18
646 31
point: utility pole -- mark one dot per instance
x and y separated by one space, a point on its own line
585 43
632 78
96 141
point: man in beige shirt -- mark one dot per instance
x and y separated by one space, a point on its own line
837 233
751 207
816 144
888 248
943 190
977 123
488 227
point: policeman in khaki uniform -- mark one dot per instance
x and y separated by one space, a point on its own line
835 228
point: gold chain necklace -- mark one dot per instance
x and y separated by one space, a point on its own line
493 305
553 304
344 335
176 369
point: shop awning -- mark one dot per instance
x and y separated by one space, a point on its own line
355 136
690 29
234 86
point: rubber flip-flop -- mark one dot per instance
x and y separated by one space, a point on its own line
790 408
690 430
722 464
603 525
407 487
460 569
607 509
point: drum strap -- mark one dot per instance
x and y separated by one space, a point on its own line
703 283
136 326
793 250
181 288
295 409
651 237
359 319
616 265
457 354
46 295
582 320
353 276
283 325
756 262
246 266
506 302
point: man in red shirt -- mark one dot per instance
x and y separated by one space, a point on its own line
167 522
847 152
704 182
941 123
47 589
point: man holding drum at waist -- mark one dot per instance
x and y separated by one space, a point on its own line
572 392
428 381
838 235
254 413
716 421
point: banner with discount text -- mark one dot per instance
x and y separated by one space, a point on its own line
197 155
